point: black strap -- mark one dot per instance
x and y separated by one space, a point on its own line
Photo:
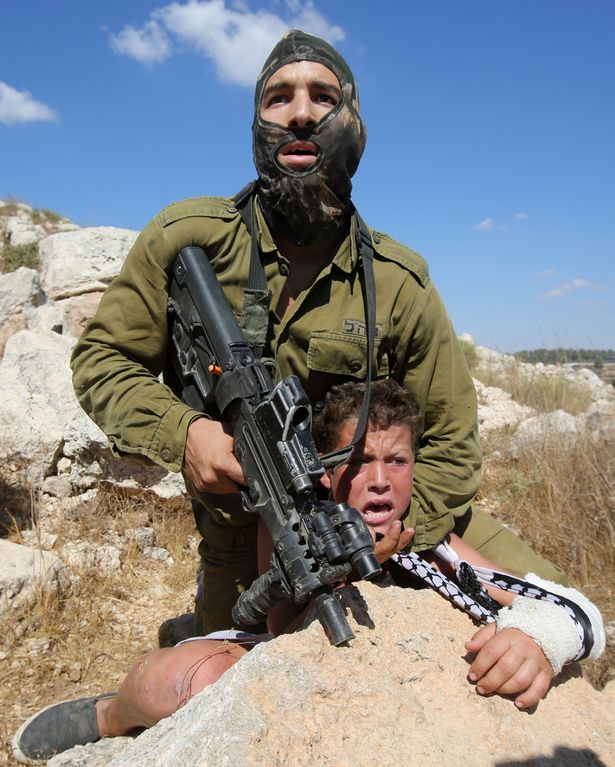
254 320
366 256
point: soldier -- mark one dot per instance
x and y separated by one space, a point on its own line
305 310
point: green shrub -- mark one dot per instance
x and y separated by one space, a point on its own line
14 256
469 352
43 216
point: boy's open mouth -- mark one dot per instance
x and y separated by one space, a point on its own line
376 511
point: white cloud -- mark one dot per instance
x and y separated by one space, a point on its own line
569 287
521 216
19 107
486 225
149 45
546 273
235 39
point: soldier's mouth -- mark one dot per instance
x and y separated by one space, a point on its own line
298 155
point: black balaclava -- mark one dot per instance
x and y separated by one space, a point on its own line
313 204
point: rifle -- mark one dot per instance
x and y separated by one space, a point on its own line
316 542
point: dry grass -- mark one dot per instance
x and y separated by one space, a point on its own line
542 391
81 642
562 500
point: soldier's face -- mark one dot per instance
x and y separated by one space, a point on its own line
299 95
377 480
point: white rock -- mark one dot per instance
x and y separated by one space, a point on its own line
23 568
20 226
91 559
156 552
18 290
38 403
144 537
497 409
84 260
551 429
45 319
38 539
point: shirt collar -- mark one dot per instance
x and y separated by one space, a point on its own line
346 257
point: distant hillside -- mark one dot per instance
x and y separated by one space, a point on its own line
562 356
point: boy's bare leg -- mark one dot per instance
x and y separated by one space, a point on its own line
163 681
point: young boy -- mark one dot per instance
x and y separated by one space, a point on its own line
520 652
377 481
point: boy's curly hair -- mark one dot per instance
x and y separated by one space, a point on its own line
389 405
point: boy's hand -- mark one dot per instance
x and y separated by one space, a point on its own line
392 541
507 663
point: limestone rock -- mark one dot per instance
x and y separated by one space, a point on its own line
23 568
497 409
84 260
399 688
549 429
39 405
77 311
21 224
142 537
599 420
93 755
20 291
99 559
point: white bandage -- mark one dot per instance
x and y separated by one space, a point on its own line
550 626
589 608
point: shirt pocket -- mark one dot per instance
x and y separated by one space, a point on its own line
340 354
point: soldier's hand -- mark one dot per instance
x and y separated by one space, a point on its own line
508 663
208 458
392 541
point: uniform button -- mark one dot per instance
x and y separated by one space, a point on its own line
283 270
376 238
166 455
232 209
355 366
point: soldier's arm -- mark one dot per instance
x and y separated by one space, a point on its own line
448 466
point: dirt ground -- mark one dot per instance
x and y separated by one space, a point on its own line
82 642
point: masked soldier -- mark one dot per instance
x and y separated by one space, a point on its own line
304 311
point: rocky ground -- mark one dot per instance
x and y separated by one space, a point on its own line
120 550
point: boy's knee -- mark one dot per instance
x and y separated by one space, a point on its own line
153 686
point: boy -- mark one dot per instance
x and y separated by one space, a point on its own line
377 481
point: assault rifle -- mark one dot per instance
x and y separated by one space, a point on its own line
316 542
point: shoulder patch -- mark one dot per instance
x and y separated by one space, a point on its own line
390 249
209 207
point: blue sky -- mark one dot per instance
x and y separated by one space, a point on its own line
490 133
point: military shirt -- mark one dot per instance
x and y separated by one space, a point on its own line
321 338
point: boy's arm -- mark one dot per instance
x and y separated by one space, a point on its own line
531 639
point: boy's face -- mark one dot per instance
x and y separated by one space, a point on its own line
377 479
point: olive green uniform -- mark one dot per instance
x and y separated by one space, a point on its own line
321 339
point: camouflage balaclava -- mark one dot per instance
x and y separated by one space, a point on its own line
312 204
